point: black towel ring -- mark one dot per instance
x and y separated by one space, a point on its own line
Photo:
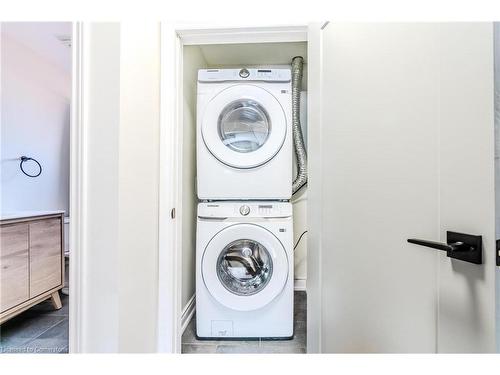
24 159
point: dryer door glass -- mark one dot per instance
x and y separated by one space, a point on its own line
244 267
244 125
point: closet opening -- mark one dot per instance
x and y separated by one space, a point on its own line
253 57
36 86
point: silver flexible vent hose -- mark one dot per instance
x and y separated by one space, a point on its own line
298 139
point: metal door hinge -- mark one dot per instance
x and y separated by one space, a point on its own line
172 213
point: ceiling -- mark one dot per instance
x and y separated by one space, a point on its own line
42 38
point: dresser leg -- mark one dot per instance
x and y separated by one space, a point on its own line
56 300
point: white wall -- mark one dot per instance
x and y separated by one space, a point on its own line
35 113
119 242
99 240
138 185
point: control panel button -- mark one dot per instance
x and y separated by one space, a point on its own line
244 210
265 209
244 73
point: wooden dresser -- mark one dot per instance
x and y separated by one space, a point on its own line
31 261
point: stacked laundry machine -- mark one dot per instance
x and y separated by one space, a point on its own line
244 254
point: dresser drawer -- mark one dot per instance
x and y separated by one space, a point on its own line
45 255
14 265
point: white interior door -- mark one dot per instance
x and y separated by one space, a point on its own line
403 149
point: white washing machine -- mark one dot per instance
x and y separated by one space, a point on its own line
244 270
244 134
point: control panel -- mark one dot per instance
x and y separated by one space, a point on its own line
244 74
244 210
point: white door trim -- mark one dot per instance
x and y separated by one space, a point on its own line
77 191
315 187
169 257
194 36
173 39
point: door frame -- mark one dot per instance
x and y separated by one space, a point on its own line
77 191
496 70
173 39
315 187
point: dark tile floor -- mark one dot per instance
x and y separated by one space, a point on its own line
297 345
40 329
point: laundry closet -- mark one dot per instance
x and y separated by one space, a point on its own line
389 130
251 55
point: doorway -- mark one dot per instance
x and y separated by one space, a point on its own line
36 82
207 49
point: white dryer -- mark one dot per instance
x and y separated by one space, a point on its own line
244 270
244 134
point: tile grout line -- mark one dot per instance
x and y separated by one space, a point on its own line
38 336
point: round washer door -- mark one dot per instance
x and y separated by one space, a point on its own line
244 126
244 267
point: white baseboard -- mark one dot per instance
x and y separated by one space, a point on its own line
299 284
188 312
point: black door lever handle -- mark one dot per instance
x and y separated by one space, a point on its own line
466 247
455 246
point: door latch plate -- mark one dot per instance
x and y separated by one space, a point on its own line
476 242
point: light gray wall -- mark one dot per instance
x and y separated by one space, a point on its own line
35 118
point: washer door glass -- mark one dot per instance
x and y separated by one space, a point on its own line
244 125
244 267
